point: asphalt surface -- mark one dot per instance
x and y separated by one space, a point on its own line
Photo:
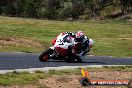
11 61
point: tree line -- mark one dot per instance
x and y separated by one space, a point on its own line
64 9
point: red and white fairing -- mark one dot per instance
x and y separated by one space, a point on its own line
63 41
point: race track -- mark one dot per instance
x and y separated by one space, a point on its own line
11 61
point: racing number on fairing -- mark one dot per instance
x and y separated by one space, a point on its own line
61 42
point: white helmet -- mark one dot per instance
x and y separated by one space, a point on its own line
91 43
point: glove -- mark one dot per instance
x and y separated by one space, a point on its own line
82 54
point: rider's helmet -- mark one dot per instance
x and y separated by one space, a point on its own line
91 43
79 36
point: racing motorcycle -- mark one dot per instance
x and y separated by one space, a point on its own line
69 53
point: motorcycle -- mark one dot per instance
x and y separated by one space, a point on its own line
69 54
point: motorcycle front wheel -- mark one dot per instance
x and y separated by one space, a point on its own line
45 56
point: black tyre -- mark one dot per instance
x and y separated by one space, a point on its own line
45 56
78 59
71 58
74 58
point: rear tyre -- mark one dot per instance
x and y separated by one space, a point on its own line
70 60
78 59
45 55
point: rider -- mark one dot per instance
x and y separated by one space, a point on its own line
85 43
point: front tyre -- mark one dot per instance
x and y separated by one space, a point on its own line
45 55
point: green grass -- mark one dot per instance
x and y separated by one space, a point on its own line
112 47
20 78
108 35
